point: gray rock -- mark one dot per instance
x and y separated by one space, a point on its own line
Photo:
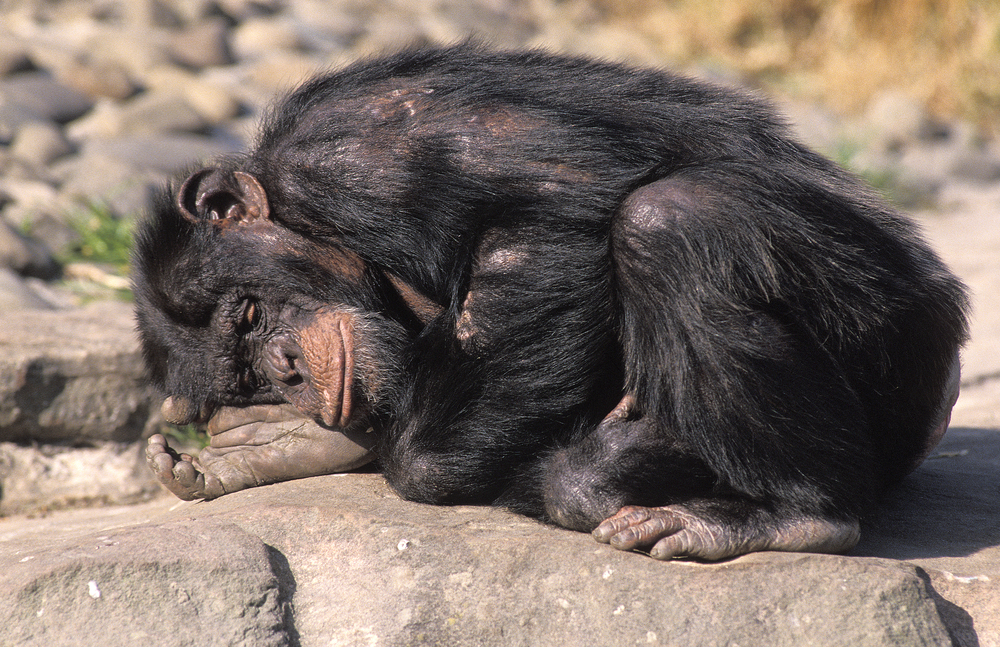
53 293
13 56
13 117
161 153
24 255
104 179
180 583
44 97
813 125
976 166
96 79
259 37
40 143
72 377
204 44
944 519
895 119
29 193
148 14
52 230
240 10
923 171
36 206
154 112
105 120
16 295
361 566
406 574
208 93
52 477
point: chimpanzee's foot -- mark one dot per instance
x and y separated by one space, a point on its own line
254 446
681 531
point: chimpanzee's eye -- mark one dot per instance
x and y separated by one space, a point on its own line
250 317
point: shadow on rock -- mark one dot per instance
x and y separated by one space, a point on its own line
947 508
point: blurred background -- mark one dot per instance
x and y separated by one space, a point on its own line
102 100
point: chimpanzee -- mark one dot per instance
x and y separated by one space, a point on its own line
614 299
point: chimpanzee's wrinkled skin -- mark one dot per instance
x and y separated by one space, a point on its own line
614 299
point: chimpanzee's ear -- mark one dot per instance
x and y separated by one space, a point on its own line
212 194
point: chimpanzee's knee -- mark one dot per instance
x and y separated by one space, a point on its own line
622 462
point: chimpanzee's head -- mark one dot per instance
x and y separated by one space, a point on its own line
235 309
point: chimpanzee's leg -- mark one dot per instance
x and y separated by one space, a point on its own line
728 384
627 460
638 485
636 492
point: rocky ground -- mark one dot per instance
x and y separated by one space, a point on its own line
102 100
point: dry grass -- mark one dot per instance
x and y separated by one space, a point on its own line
843 52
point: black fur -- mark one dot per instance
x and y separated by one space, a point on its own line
786 334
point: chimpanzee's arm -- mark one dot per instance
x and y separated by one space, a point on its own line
527 357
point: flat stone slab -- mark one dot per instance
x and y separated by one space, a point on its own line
72 376
73 409
357 565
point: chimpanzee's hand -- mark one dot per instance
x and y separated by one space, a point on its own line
257 445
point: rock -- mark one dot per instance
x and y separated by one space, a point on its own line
72 377
13 56
147 14
51 230
44 97
25 255
54 477
16 295
105 120
157 152
814 126
205 44
895 119
944 519
153 112
240 10
102 179
259 37
27 198
360 566
107 79
132 49
179 583
28 192
12 118
207 95
54 294
976 166
40 143
275 75
923 170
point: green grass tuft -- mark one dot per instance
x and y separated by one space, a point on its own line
104 237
